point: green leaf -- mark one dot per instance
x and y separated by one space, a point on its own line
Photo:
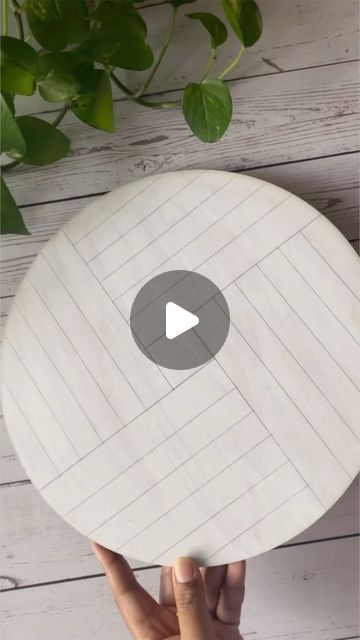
95 106
118 48
17 80
18 66
44 142
61 76
11 220
12 141
213 25
118 37
207 108
57 23
245 19
75 18
121 15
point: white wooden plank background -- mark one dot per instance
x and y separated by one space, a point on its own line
295 124
291 594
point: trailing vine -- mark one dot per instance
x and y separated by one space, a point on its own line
70 51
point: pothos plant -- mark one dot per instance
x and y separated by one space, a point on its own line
71 51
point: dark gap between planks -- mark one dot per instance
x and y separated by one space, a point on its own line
156 566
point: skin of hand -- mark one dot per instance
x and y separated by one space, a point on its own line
194 604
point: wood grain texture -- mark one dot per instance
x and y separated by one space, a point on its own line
59 552
304 114
292 594
329 184
299 34
127 486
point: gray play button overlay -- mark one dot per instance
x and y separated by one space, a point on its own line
179 319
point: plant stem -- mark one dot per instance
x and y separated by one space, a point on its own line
163 50
232 64
61 115
17 14
120 85
209 64
171 104
4 16
55 123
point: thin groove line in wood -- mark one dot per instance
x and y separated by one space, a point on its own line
229 80
226 226
239 171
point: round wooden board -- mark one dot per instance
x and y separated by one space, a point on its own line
221 461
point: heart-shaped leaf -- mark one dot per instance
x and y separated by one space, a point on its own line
118 37
213 25
11 220
116 48
44 142
245 19
207 109
61 76
18 66
95 105
57 23
120 15
12 141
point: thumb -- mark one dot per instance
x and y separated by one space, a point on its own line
193 615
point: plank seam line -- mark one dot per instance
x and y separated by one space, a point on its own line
198 206
218 251
55 468
117 310
75 579
58 372
94 330
15 483
223 508
262 519
306 281
299 411
234 424
44 399
220 473
178 222
323 258
305 324
208 259
56 322
293 356
156 566
172 435
228 81
109 217
255 168
129 423
122 235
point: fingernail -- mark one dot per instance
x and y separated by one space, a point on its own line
184 570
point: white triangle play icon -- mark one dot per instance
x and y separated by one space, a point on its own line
178 320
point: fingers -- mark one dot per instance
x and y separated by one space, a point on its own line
213 578
193 616
232 594
134 603
166 597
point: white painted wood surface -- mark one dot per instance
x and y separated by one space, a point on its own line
149 446
292 594
301 123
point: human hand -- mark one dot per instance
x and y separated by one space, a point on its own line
194 604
